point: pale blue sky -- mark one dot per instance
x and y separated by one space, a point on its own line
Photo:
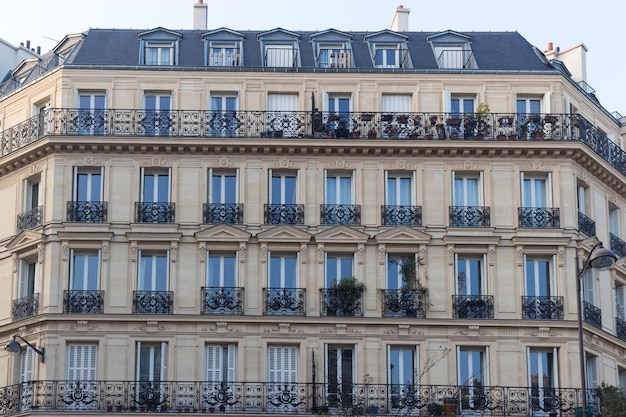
598 24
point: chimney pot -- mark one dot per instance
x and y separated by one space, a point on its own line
27 44
550 46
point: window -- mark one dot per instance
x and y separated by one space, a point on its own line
81 374
339 207
333 56
620 301
467 196
282 366
220 376
339 188
283 271
614 221
32 215
221 294
470 300
27 302
460 106
387 56
399 190
281 55
223 118
222 269
528 118
27 365
83 295
152 295
473 376
398 265
540 300
283 197
527 107
224 55
28 277
536 210
593 371
87 205
338 267
454 57
339 116
223 204
155 205
283 188
394 106
283 120
151 370
589 286
159 53
402 368
157 119
91 114
542 377
340 375
621 376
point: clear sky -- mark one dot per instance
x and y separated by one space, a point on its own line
599 24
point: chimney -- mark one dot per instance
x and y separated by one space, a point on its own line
27 44
400 21
200 16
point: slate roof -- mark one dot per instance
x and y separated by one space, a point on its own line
493 51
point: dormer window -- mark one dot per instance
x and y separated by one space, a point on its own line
280 48
159 47
223 55
388 49
453 50
334 56
387 56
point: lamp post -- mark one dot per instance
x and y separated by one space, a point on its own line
14 347
601 259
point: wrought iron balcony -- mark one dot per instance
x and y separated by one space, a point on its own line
153 302
620 328
592 314
284 301
401 215
539 217
83 301
337 303
87 211
291 398
222 300
333 214
25 307
404 302
617 245
284 213
30 219
154 212
586 225
542 307
216 213
472 306
470 216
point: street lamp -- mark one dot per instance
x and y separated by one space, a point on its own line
14 347
601 259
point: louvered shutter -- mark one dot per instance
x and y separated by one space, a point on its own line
27 365
282 364
396 103
231 363
163 362
620 298
81 362
592 372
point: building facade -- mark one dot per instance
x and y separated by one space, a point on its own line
327 222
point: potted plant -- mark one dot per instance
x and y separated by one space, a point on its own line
371 134
342 131
402 118
367 117
346 292
482 120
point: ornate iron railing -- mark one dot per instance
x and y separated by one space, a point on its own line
401 215
222 300
83 301
472 306
592 314
617 245
542 307
404 302
470 216
153 302
215 213
338 303
333 214
539 217
87 211
154 212
284 213
24 307
620 328
199 397
284 301
30 218
586 225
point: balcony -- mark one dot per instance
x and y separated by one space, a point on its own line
154 212
468 216
620 328
30 219
228 213
592 315
401 215
284 213
538 217
284 301
404 302
337 303
153 302
617 245
472 306
25 307
87 211
334 214
83 301
222 300
542 308
297 398
586 225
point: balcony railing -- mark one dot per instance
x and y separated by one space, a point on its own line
153 302
336 303
472 306
83 301
25 307
216 213
222 300
617 245
30 219
154 212
87 211
284 301
469 216
284 213
542 307
197 397
401 215
586 225
592 314
539 217
333 214
620 328
404 302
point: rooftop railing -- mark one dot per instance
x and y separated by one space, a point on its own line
306 125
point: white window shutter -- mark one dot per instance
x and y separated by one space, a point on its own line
163 361
27 365
214 363
231 363
81 362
